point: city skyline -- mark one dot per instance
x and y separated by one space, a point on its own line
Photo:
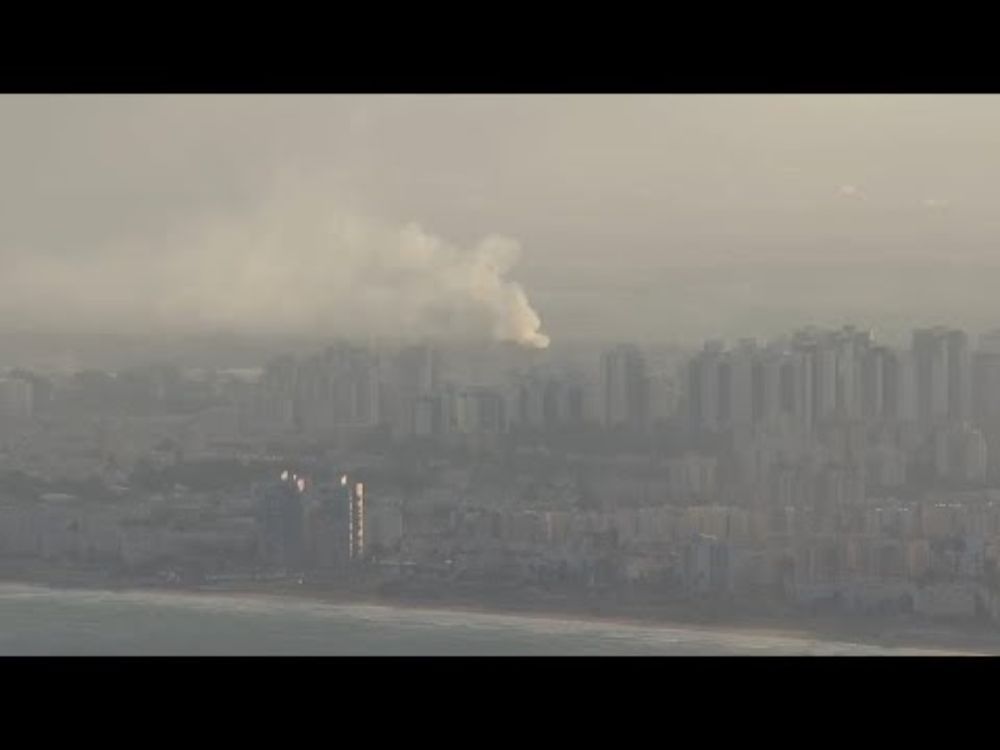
729 360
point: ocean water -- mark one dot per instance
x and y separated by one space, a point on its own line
42 621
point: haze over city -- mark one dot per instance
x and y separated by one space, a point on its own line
396 370
656 218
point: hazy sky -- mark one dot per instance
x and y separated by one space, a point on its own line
667 217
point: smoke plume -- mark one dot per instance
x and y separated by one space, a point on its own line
295 265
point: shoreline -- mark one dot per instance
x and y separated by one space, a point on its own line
915 637
936 638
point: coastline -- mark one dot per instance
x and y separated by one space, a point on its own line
939 640
931 637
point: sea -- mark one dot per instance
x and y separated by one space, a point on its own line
39 621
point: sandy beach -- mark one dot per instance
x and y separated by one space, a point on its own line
938 637
934 639
943 638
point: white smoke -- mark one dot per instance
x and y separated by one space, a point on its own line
295 265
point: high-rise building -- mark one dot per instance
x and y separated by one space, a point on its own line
786 385
986 401
327 527
529 402
418 370
877 388
356 503
281 523
703 387
769 388
986 384
662 395
851 348
939 358
492 415
339 387
724 397
476 411
835 361
428 417
414 375
825 381
741 399
354 378
731 388
806 372
540 402
552 397
574 408
959 376
902 385
623 386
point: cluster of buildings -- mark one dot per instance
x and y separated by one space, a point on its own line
820 375
414 393
839 404
323 526
288 525
347 391
142 536
823 466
